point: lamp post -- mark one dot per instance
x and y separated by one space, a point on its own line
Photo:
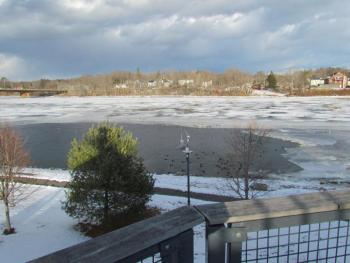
186 150
187 153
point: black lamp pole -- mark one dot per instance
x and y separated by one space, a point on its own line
187 153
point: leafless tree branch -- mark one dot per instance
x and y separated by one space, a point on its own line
244 147
13 158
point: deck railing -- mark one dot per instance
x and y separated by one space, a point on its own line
300 228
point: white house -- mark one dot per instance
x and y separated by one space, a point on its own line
152 83
207 84
121 86
183 82
316 82
165 83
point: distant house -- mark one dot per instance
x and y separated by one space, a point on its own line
339 79
185 82
138 84
165 83
121 86
207 84
316 82
348 86
152 83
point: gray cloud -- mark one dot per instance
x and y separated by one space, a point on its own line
47 38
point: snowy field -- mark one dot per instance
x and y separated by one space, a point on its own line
43 227
210 185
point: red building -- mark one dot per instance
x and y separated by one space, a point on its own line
339 79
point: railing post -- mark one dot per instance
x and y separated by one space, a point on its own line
237 236
216 246
235 252
225 243
178 249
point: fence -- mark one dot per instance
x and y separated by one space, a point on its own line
301 228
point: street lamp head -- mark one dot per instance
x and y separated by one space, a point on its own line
187 150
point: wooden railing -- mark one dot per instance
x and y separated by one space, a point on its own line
169 235
247 231
284 229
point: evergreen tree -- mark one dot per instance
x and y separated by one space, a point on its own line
138 73
271 81
108 179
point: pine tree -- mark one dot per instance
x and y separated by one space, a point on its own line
271 81
108 179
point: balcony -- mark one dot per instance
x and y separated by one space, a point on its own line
300 228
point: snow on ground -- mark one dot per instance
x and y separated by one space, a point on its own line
212 185
267 93
273 112
51 174
43 227
323 153
221 186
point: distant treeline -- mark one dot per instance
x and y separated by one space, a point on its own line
230 82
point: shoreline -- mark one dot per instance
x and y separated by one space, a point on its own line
276 95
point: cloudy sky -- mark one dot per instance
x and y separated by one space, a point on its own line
51 39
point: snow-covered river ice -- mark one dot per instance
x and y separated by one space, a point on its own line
274 112
321 125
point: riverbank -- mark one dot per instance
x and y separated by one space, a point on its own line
32 179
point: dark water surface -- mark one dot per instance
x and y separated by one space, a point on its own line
49 144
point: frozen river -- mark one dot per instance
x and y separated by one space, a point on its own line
320 124
273 112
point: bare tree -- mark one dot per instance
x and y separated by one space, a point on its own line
13 158
244 149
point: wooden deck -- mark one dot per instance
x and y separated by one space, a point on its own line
294 205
